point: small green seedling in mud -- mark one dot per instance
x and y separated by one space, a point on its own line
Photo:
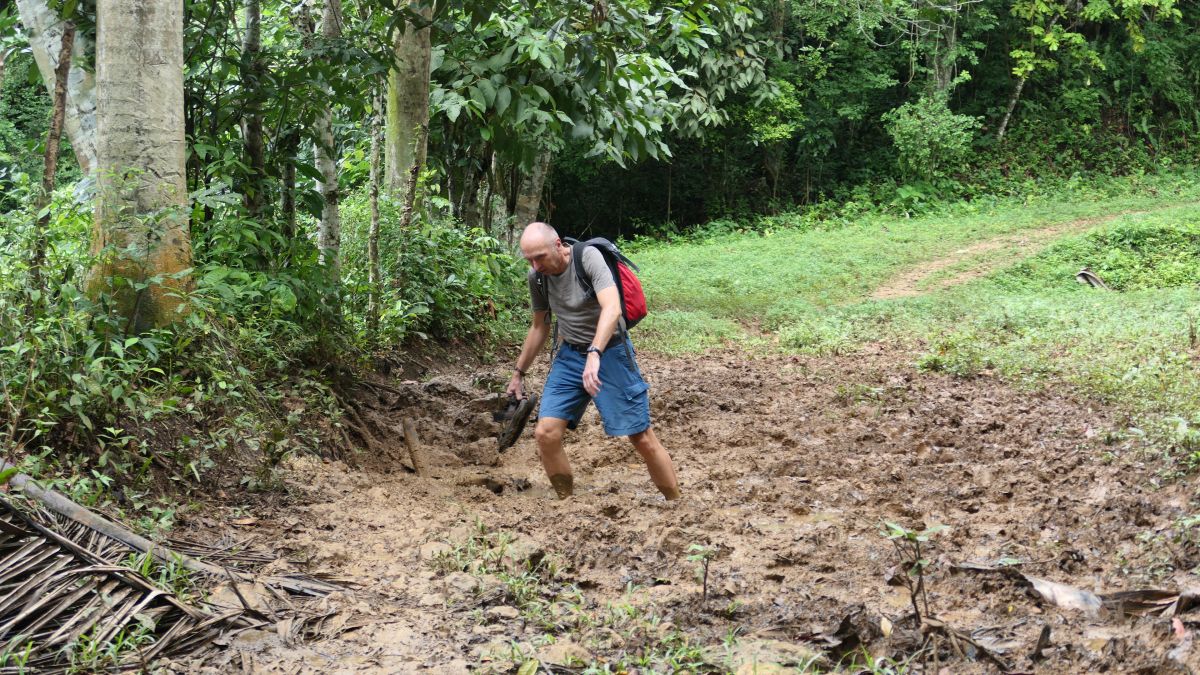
908 545
15 654
879 666
702 556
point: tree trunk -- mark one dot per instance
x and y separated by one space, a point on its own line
1012 104
408 107
45 30
469 210
943 58
252 70
529 198
290 144
329 236
3 58
373 272
410 193
140 235
50 161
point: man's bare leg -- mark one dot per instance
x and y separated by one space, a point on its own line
549 435
662 471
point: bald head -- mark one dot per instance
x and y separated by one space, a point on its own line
541 246
538 234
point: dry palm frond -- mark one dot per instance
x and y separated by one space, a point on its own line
62 605
73 595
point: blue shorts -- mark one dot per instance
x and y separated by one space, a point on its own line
623 399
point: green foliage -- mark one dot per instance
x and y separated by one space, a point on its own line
778 118
931 139
441 281
520 77
171 576
907 97
24 119
702 556
91 652
166 404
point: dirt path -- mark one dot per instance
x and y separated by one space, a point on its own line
788 467
1018 245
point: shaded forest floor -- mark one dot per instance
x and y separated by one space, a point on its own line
789 466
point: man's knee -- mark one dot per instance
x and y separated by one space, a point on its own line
644 441
547 431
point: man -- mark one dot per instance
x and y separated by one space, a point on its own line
595 361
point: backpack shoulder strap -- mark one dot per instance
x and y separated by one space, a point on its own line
540 280
577 249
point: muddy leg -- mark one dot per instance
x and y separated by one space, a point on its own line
662 471
549 434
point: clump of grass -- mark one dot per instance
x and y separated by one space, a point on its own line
961 354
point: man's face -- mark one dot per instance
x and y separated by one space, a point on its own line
545 257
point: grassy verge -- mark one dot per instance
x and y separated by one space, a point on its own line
1026 319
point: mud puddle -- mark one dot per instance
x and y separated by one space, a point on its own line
790 468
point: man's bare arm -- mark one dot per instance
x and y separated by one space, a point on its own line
539 330
610 315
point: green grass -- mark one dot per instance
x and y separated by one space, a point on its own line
1028 320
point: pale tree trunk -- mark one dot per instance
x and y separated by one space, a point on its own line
1012 104
252 122
50 160
408 107
45 30
3 58
141 228
373 272
329 236
529 198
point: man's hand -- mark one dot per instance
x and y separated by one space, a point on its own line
591 374
516 386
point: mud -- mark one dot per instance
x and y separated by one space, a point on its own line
789 468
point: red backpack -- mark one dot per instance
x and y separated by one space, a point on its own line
629 288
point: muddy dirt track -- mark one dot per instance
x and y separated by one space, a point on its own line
788 467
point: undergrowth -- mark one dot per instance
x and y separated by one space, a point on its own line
138 423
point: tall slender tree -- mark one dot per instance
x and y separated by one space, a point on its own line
373 268
329 236
50 159
252 68
45 30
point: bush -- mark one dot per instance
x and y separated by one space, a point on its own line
931 139
440 280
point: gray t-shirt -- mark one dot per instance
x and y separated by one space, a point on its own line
576 311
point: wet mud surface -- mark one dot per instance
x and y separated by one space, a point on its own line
789 468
